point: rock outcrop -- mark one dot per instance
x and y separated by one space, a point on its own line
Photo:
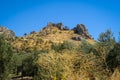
6 32
60 26
77 38
81 30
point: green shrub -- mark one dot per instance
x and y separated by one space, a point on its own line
61 46
113 58
85 47
107 39
28 67
6 54
24 64
67 45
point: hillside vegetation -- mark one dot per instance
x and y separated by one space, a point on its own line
58 53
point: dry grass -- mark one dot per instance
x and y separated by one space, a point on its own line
71 65
44 38
58 65
115 75
67 64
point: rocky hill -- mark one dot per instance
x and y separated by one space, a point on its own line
52 33
6 32
59 53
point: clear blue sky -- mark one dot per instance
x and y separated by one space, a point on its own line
24 16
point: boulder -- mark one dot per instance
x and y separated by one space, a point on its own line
60 26
77 38
81 30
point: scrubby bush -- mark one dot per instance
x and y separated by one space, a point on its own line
54 66
107 39
67 45
113 57
62 46
85 47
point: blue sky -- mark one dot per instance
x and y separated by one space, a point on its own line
23 16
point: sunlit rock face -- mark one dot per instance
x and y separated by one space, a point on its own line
81 30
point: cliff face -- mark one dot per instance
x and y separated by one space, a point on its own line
6 32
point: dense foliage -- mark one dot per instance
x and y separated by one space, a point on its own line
62 61
5 59
113 58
